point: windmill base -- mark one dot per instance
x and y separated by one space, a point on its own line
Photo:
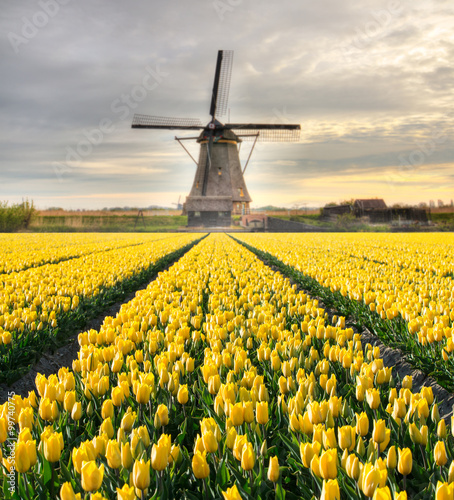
209 219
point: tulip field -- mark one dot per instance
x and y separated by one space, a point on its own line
49 284
223 379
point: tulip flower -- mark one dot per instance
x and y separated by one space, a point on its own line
347 437
236 414
232 493
126 493
382 494
370 479
330 490
67 492
22 458
200 466
261 412
76 412
113 454
273 469
53 446
379 432
92 476
328 464
440 455
444 491
143 394
373 398
126 455
362 424
141 474
182 395
405 461
161 416
159 456
247 457
210 442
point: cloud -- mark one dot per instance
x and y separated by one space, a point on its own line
370 85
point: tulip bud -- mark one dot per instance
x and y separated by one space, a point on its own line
391 461
53 447
183 395
141 474
200 466
405 461
247 457
379 432
126 455
161 416
113 454
440 456
261 412
273 470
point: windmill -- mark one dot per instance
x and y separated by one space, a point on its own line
219 189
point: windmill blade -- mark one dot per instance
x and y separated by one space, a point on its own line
221 86
162 122
267 132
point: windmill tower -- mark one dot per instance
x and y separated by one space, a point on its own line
219 189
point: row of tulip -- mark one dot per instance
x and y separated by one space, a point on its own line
23 250
401 286
41 303
221 379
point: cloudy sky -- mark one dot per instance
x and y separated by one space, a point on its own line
370 83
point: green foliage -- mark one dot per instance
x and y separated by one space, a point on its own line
17 216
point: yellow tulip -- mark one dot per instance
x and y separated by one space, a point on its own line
126 493
273 469
113 454
92 476
143 394
53 447
161 416
370 479
22 458
415 434
346 436
232 493
236 414
141 474
405 461
200 466
210 442
444 491
76 412
362 424
261 412
379 432
183 395
67 492
330 490
107 409
328 464
440 456
373 398
126 455
382 494
391 460
247 457
159 456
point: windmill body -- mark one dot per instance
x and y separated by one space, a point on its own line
219 189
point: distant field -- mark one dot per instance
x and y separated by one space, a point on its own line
110 222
